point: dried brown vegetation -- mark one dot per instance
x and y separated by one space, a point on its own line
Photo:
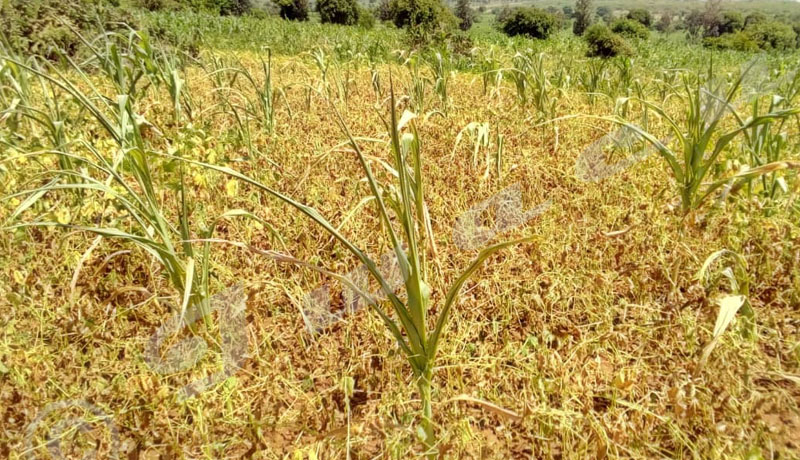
585 343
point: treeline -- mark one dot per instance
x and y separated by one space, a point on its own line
608 33
734 30
47 27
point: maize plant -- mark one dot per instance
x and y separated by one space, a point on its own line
408 320
700 138
124 175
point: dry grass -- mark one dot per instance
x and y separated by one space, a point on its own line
589 338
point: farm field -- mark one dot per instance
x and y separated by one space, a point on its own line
247 237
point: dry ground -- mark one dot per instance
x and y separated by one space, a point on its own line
589 337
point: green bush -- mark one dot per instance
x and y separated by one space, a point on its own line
756 17
366 20
796 29
605 43
422 17
732 21
631 29
45 26
772 35
769 35
234 7
344 12
531 22
739 41
294 10
465 14
641 16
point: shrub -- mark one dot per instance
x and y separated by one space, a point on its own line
465 14
739 41
732 21
384 11
344 12
531 22
234 7
767 36
44 26
772 35
605 43
630 28
796 29
415 13
756 17
366 20
422 17
295 10
641 16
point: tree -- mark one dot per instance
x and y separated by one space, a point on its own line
465 14
422 18
531 22
630 28
294 10
641 15
568 11
732 21
712 18
343 12
604 43
708 22
583 16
